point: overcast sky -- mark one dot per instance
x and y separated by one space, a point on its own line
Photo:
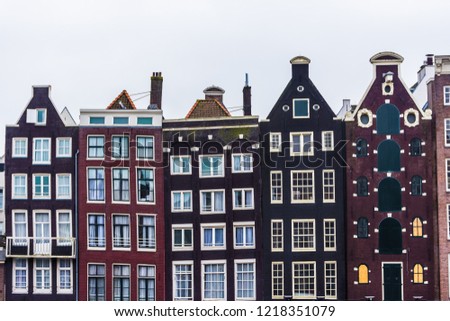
89 51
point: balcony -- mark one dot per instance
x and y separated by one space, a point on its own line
40 247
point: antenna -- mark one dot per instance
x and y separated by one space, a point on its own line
246 79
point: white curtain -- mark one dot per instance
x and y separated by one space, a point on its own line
214 286
218 201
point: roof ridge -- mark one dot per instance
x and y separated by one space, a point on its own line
127 96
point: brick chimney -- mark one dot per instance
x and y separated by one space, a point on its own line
247 95
156 91
214 92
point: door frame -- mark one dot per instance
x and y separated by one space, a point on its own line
382 278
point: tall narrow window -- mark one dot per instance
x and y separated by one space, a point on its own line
95 146
96 232
96 184
121 230
245 280
146 185
447 132
20 148
447 174
42 276
277 280
416 185
120 146
448 221
20 232
64 276
63 186
276 187
146 232
361 148
183 285
329 234
388 156
363 274
63 147
20 276
362 228
418 273
446 95
330 280
388 120
417 227
304 280
214 285
19 186
121 184
327 141
328 186
64 228
144 147
96 282
146 282
275 142
362 188
277 235
302 186
415 147
121 282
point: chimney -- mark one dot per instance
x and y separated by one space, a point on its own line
346 104
247 95
41 91
214 92
300 67
156 91
429 60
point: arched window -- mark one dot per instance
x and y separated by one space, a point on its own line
417 227
388 120
361 148
362 228
418 273
363 274
388 156
416 185
415 147
389 195
390 236
362 188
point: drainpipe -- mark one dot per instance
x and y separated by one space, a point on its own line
76 224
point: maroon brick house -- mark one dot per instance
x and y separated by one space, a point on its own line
390 208
121 196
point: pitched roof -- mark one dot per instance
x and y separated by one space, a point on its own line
123 101
208 108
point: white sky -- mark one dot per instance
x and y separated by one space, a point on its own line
89 51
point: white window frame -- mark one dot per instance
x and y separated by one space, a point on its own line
302 144
35 269
236 290
13 194
174 282
151 169
121 149
243 206
242 156
182 196
58 195
15 289
324 147
330 297
104 184
280 187
182 227
96 276
47 247
172 172
120 201
273 149
25 238
88 146
145 147
294 201
293 108
329 186
244 225
447 174
293 280
213 191
214 227
121 276
35 162
209 262
96 248
272 235
211 174
448 221
446 90
44 122
124 241
146 277
42 197
59 241
59 140
325 235
15 141
145 249
303 249
278 263
59 269
446 129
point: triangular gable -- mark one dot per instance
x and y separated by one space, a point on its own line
123 101
208 108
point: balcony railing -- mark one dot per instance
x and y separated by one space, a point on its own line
40 247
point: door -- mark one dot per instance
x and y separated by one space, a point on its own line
42 243
392 281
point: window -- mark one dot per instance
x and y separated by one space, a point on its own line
20 276
415 147
302 186
388 120
242 163
120 120
302 144
64 232
96 146
96 120
328 186
146 282
303 235
41 186
183 281
64 276
388 156
145 147
144 120
244 235
20 228
19 186
182 237
446 95
389 195
242 199
213 237
277 235
390 236
361 148
20 148
2 228
96 184
212 202
416 185
448 221
277 280
96 232
146 185
329 234
327 141
447 132
417 227
447 173
181 165
330 280
211 166
418 273
120 146
63 147
213 281
41 116
41 151
121 185
121 231
276 187
146 232
245 280
304 280
362 186
1 199
96 282
63 186
182 201
121 282
362 228
42 233
42 276
363 274
301 108
275 142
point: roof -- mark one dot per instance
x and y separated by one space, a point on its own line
123 101
208 108
386 56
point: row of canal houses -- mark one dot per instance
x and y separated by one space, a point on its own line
303 205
